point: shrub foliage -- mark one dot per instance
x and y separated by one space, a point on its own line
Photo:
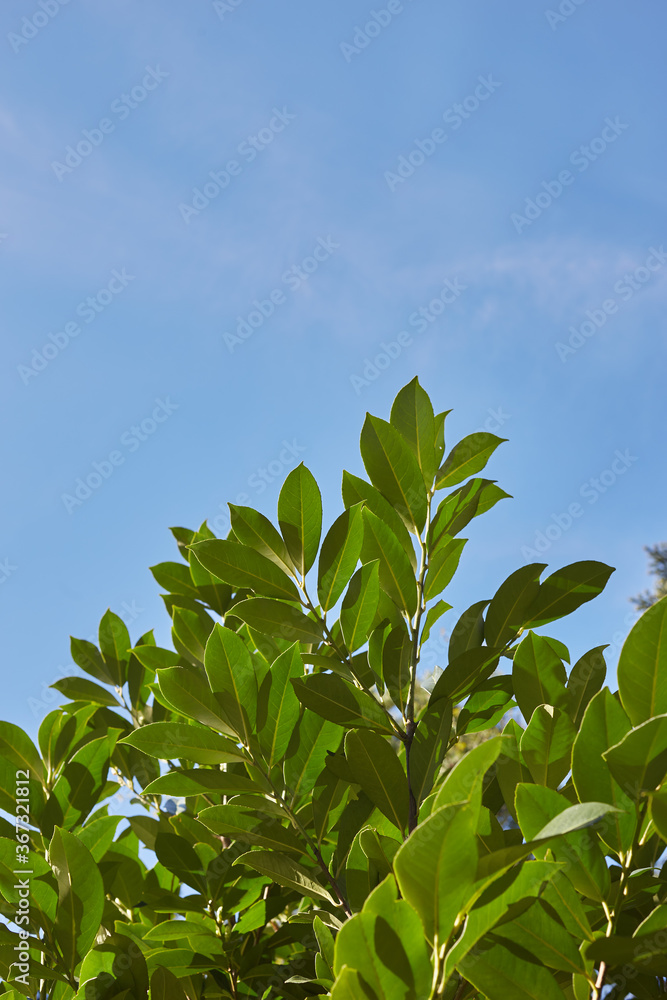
323 849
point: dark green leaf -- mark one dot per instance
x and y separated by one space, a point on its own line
498 968
507 609
396 659
396 576
300 517
355 490
412 416
180 741
604 724
17 747
434 614
642 666
243 567
186 690
468 633
87 656
585 680
190 632
165 985
443 562
429 747
80 896
255 530
286 872
360 604
278 619
639 761
377 769
278 706
231 674
313 738
466 458
334 699
565 591
464 673
393 469
175 578
539 675
200 781
340 553
115 646
546 745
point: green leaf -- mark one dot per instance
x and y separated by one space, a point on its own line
334 699
186 690
507 609
468 633
499 969
377 769
199 781
165 985
356 490
249 827
565 591
278 619
585 680
278 706
646 952
155 658
360 604
412 416
97 835
539 675
460 506
659 812
542 811
466 458
175 578
87 656
393 469
429 747
80 784
604 724
465 780
254 529
436 868
540 935
396 575
115 646
231 674
80 896
181 741
639 761
443 562
487 706
339 555
546 745
285 872
385 943
361 875
434 614
396 659
244 568
464 673
518 884
300 517
190 632
642 666
17 747
312 740
347 986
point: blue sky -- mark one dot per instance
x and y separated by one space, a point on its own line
369 165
